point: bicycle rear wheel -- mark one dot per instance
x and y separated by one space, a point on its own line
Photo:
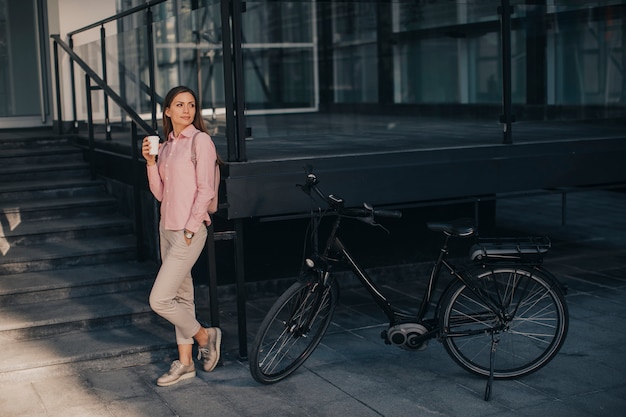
292 329
530 330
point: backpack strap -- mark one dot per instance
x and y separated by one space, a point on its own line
193 148
213 205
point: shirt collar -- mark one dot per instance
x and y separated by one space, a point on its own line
185 133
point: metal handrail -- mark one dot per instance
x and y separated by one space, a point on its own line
101 84
100 23
117 16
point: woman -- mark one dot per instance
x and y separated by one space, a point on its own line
184 189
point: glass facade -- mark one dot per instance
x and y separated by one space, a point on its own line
21 82
589 61
279 55
355 57
327 57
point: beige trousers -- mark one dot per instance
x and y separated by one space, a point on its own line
172 295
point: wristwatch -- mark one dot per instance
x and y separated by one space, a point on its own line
188 234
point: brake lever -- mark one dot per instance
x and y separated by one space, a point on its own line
370 219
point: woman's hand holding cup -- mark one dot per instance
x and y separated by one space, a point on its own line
150 149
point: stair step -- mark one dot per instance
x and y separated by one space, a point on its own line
68 253
32 156
49 188
18 211
33 140
37 232
80 281
27 321
43 171
99 348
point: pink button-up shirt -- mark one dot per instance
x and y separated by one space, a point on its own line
183 189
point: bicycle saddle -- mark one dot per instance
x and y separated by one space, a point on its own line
456 228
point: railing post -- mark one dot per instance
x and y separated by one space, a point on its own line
151 64
228 81
73 89
57 82
507 117
563 208
233 79
241 289
92 153
103 52
136 192
238 7
212 272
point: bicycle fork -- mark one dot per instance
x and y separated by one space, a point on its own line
319 293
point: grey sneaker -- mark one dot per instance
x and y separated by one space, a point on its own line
210 353
177 373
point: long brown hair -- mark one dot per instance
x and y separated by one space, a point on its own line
198 121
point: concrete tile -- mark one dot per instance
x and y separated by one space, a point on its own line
198 398
116 384
346 407
592 333
568 376
598 305
140 407
611 402
556 408
91 410
57 393
17 400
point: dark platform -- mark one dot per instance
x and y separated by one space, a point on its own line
407 161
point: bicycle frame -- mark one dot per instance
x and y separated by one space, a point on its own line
335 251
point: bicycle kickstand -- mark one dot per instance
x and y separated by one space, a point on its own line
492 354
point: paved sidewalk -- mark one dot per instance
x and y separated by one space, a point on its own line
353 373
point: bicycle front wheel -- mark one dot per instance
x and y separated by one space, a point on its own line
292 329
526 332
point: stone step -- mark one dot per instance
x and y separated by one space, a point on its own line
32 156
37 232
78 281
104 349
49 188
34 320
44 171
68 253
33 140
19 211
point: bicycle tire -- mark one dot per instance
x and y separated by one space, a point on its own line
534 329
292 329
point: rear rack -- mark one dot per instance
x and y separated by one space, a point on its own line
519 249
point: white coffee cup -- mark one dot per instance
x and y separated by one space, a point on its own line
154 145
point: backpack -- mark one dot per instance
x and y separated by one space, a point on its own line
213 204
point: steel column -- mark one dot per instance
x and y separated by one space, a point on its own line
103 53
507 118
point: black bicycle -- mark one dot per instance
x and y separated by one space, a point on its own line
505 303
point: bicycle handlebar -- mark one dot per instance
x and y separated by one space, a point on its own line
337 203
